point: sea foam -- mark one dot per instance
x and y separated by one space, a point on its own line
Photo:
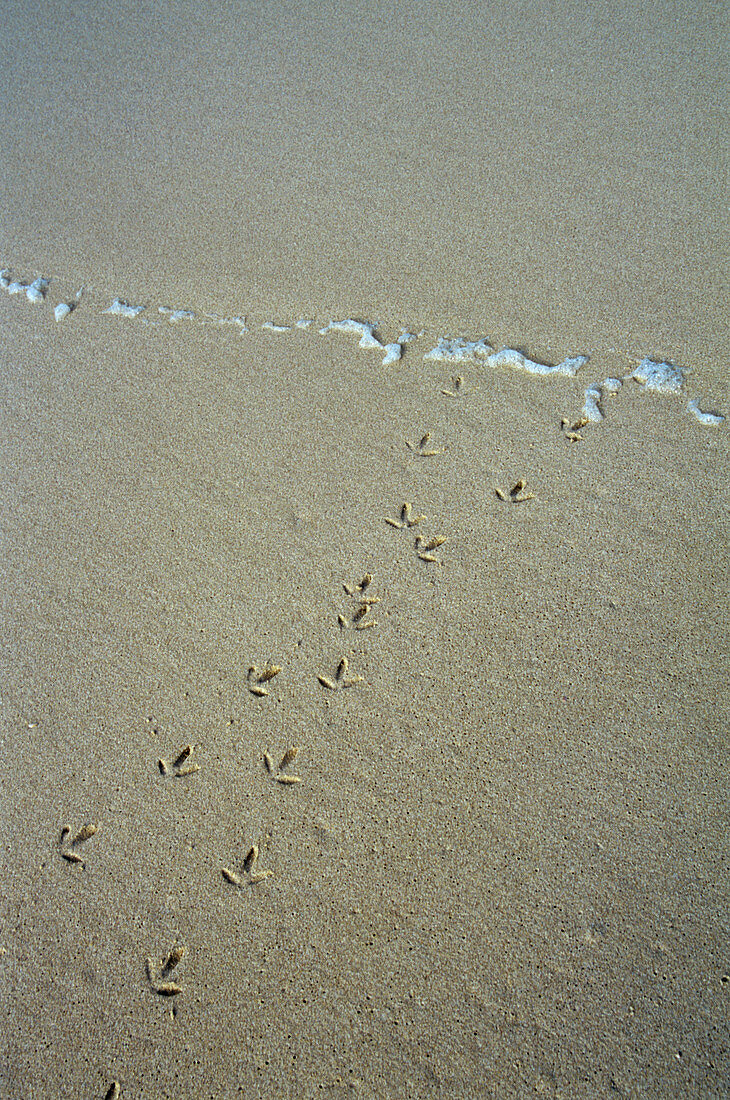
393 353
705 417
365 331
469 351
508 357
459 350
656 375
176 314
36 292
662 377
237 322
591 408
123 309
594 395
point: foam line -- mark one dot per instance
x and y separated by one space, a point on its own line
176 314
705 417
238 322
364 330
655 375
123 309
459 350
508 357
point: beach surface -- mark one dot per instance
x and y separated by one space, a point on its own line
364 384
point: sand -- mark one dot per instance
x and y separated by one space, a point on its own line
503 872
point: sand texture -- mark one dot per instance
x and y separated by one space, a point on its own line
364 723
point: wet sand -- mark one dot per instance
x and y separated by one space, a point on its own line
502 871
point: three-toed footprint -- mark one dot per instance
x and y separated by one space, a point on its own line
341 680
159 976
257 677
285 778
251 872
423 448
68 851
180 766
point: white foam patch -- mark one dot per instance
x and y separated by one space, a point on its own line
591 409
662 377
393 352
305 322
508 357
123 309
17 288
238 322
459 350
5 278
62 310
272 327
705 417
594 396
361 328
406 337
176 314
36 292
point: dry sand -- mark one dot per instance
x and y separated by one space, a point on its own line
504 870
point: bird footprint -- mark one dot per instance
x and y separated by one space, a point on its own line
516 494
249 869
424 548
256 678
341 679
180 766
422 448
407 518
67 850
285 778
458 387
159 976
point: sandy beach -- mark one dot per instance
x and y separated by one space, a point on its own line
364 533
